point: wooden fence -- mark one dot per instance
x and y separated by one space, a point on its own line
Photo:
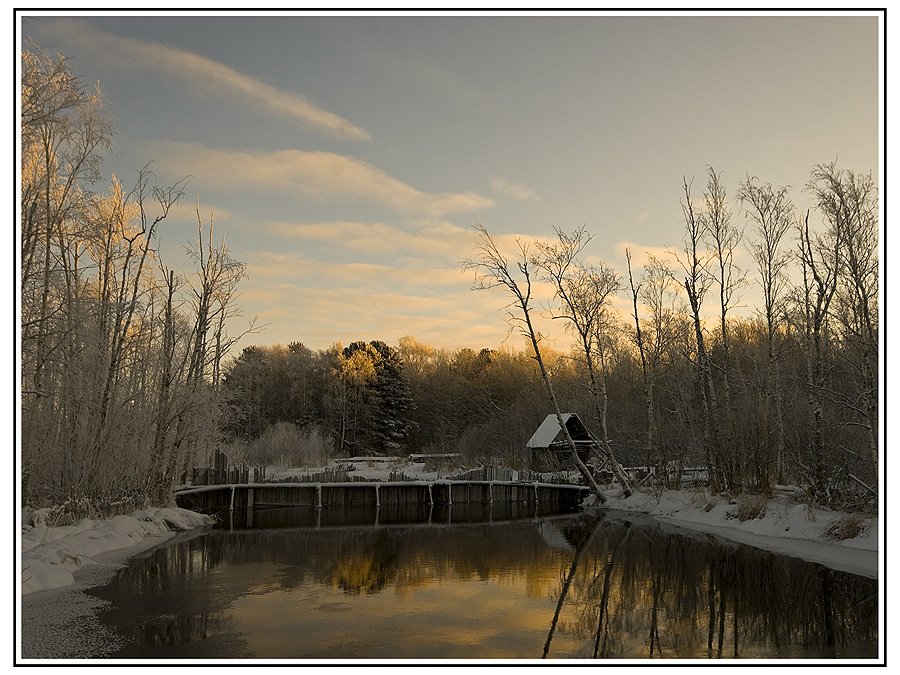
221 473
500 473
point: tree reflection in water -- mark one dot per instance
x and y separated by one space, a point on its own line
610 587
655 593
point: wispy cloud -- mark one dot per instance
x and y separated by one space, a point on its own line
433 241
316 175
270 266
200 73
366 302
506 187
641 253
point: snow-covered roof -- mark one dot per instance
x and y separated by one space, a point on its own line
547 432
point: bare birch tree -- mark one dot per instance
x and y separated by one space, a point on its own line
655 336
105 345
64 130
820 257
584 293
696 282
724 238
492 270
849 203
212 289
770 209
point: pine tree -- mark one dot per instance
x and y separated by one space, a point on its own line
394 404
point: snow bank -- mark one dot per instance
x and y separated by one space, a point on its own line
51 555
785 527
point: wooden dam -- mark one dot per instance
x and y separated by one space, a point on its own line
282 504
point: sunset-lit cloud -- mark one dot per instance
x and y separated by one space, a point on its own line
314 175
203 75
291 313
369 301
292 266
506 187
641 254
431 240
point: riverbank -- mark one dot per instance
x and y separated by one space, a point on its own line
51 555
781 526
57 619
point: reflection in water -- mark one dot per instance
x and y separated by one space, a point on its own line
562 587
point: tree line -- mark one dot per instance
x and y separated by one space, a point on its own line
120 353
787 395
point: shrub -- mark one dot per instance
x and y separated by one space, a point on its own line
287 445
847 527
751 506
703 500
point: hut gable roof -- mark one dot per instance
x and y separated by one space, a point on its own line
549 430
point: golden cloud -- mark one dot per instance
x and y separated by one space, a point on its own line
316 175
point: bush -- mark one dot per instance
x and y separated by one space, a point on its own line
704 501
847 527
751 507
287 445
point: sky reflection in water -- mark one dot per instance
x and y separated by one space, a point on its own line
560 587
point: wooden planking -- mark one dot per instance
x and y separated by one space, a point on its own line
261 495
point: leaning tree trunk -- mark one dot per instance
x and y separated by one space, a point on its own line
585 473
492 269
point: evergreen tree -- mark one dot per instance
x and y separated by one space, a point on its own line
394 404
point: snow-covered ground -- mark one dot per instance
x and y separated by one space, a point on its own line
51 555
63 560
787 528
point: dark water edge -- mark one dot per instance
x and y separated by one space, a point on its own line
473 583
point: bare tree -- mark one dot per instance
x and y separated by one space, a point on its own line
696 282
584 293
170 371
770 209
642 352
212 290
849 203
820 257
105 346
124 288
724 237
493 270
656 337
64 129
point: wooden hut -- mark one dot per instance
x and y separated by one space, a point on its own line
548 448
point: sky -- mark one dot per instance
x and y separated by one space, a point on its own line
346 158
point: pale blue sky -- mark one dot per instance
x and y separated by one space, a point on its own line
348 157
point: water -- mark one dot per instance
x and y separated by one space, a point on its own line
538 587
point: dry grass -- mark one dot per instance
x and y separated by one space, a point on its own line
703 500
751 506
848 527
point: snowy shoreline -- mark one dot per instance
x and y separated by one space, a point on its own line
58 620
51 555
786 529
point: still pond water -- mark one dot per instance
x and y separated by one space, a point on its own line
472 584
